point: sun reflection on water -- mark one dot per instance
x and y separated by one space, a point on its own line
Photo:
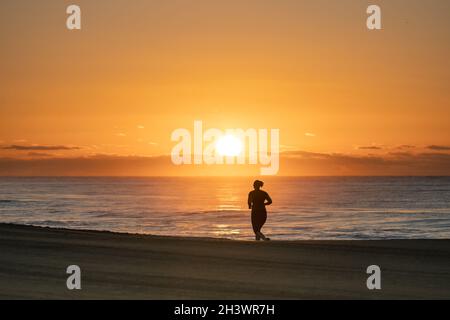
225 230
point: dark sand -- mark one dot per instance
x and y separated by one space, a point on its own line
33 262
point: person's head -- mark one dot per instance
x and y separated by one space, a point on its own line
258 184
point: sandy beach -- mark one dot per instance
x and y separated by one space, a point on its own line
33 264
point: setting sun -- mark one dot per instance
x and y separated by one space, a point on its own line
229 146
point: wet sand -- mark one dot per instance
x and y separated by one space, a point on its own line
33 264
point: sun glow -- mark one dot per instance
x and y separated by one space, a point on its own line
229 146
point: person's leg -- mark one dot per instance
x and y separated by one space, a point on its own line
262 222
264 237
258 220
255 227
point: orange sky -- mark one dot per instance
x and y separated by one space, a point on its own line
137 70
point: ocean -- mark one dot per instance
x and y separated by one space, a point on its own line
316 208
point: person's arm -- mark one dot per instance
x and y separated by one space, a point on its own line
250 200
268 199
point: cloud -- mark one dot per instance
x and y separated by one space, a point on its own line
438 148
140 127
309 134
39 147
284 147
306 154
120 134
369 148
406 146
39 154
292 163
95 165
391 164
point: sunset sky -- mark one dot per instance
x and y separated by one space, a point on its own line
104 100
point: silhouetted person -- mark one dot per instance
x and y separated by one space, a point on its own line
257 201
